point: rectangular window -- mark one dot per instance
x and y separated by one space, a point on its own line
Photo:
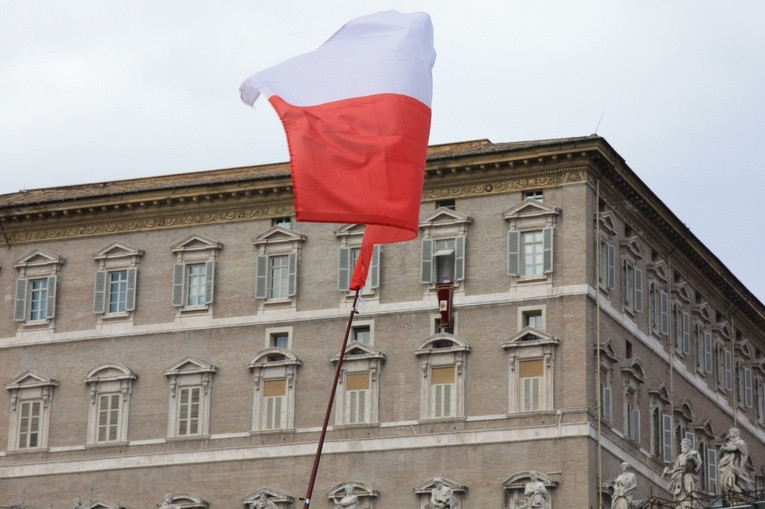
629 285
357 398
532 251
536 194
607 266
276 276
686 332
274 396
118 290
712 470
280 340
666 437
748 387
108 417
363 334
708 352
443 258
446 204
284 222
189 405
30 415
196 283
38 299
531 373
634 424
443 394
606 403
278 272
533 319
664 310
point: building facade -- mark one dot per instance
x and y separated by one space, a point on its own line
172 340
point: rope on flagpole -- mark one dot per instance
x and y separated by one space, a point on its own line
338 370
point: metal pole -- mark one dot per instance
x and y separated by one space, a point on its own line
317 458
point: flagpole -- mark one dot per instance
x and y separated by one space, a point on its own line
317 458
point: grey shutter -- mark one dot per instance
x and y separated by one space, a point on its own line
638 306
179 273
513 253
712 469
664 313
607 403
209 281
292 282
686 332
374 281
636 425
261 277
547 250
728 370
611 267
426 261
130 297
666 437
50 311
708 352
20 309
459 258
343 270
99 292
748 387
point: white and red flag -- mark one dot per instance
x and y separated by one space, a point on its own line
356 112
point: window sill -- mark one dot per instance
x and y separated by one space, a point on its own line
357 425
187 438
541 278
435 420
279 431
28 450
106 445
115 316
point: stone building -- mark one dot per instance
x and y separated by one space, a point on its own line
171 341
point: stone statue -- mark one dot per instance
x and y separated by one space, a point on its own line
734 478
535 493
263 502
624 485
442 496
167 503
349 500
684 476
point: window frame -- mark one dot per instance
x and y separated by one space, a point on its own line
112 379
38 266
272 332
440 225
277 242
433 354
268 365
30 388
194 251
530 216
189 373
530 345
115 258
359 359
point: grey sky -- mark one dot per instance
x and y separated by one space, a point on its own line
93 91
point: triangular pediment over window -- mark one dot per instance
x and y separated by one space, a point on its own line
607 351
531 208
274 356
360 351
196 243
759 365
529 336
659 270
634 368
745 349
684 409
350 230
445 217
39 258
705 427
117 250
190 365
704 311
682 292
660 393
722 327
442 342
30 379
608 223
278 235
631 246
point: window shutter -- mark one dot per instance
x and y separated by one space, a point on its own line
607 403
426 261
50 312
513 253
20 309
664 312
638 290
547 250
686 332
666 437
635 419
99 292
459 258
261 277
130 297
209 281
179 273
748 387
728 370
712 469
374 269
292 282
343 269
611 263
708 352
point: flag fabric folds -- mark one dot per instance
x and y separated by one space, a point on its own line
356 112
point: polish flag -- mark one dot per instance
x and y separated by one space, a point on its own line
356 112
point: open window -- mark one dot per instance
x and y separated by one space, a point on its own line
443 254
530 240
276 268
194 274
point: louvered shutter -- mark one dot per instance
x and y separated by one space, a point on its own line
708 352
513 253
635 420
638 290
50 311
179 272
426 261
664 306
712 470
547 250
666 437
686 332
292 281
374 269
99 292
20 308
261 277
606 403
131 282
728 370
611 266
344 270
459 258
209 281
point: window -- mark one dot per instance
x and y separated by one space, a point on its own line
359 385
607 275
633 287
110 386
661 423
447 204
31 396
280 340
681 330
346 264
443 249
442 388
744 386
362 334
276 266
536 194
708 352
274 371
633 374
284 222
114 293
632 417
530 239
194 273
189 406
760 401
711 464
35 302
531 355
533 318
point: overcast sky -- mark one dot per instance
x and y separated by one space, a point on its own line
94 91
